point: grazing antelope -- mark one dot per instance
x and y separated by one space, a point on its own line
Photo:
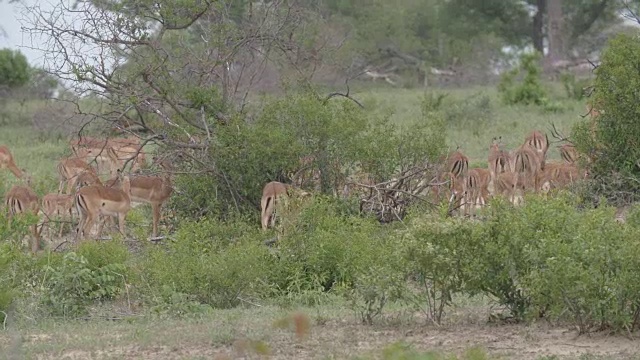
96 200
6 162
270 193
22 199
118 156
57 206
540 143
560 175
97 149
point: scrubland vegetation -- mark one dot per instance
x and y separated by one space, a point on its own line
555 277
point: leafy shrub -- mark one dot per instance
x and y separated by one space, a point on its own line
209 266
323 247
611 141
433 252
72 285
588 274
530 90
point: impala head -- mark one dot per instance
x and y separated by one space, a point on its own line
495 143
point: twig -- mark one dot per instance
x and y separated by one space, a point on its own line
248 302
334 94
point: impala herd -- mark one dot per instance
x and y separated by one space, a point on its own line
85 192
509 174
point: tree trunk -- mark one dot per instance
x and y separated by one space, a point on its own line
556 33
538 26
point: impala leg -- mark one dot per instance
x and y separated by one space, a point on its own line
156 218
121 218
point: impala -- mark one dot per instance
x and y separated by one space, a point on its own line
6 162
96 200
561 175
505 185
271 193
57 206
568 153
97 149
68 171
154 190
455 168
526 165
477 188
457 199
118 156
22 199
499 161
539 142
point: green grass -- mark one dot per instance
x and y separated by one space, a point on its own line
513 123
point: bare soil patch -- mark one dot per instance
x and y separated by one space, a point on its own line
254 333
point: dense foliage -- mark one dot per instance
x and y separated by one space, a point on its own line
609 137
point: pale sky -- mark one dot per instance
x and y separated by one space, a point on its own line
14 39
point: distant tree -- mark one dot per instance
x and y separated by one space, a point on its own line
14 69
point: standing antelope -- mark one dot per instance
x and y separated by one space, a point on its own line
154 190
477 189
526 165
96 200
6 162
499 162
58 206
22 199
540 143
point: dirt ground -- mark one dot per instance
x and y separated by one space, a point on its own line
307 334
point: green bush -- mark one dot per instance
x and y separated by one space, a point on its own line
69 287
209 265
325 248
573 87
611 142
530 90
588 274
434 251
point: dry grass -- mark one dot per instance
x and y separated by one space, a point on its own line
325 332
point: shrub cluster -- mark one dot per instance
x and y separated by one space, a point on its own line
545 258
